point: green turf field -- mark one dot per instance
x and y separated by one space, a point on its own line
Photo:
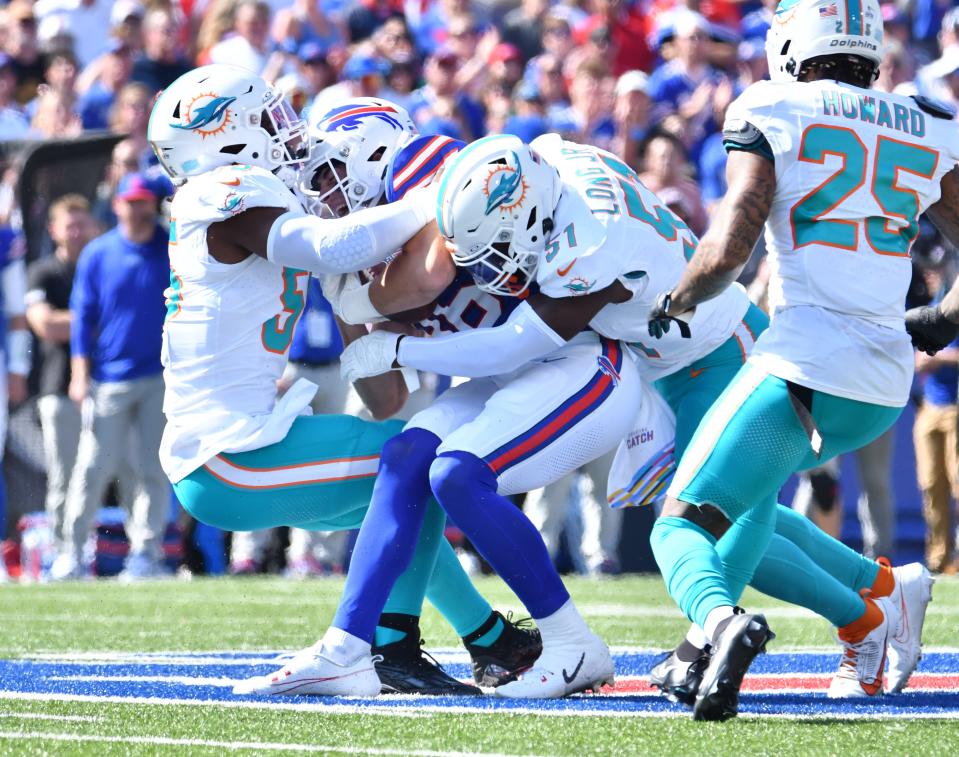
271 614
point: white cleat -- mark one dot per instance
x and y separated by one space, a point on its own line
318 675
911 596
564 669
863 660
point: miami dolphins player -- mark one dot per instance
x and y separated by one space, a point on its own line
241 249
602 209
838 174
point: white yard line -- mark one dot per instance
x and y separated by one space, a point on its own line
240 745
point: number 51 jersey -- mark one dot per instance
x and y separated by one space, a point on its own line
228 328
854 170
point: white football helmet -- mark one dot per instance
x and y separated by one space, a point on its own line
806 29
351 148
495 206
220 114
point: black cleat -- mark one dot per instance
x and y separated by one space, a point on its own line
679 680
516 649
405 668
744 637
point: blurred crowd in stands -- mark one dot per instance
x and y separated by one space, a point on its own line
649 80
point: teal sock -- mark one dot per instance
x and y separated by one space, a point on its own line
842 563
384 636
491 635
786 572
687 558
452 593
737 548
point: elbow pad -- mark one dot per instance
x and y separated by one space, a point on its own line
343 245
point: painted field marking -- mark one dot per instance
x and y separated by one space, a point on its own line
241 745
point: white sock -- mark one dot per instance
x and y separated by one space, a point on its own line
343 648
714 618
697 636
565 623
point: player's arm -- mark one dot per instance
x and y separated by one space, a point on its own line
409 282
932 327
383 395
727 245
320 245
534 330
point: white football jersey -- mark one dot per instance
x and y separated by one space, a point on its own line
610 227
854 170
228 328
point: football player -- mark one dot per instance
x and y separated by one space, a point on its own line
241 251
838 174
613 246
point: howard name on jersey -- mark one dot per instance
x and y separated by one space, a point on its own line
462 305
228 327
610 227
854 170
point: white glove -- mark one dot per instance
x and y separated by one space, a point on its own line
369 355
335 285
350 299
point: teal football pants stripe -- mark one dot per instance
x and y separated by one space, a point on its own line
336 506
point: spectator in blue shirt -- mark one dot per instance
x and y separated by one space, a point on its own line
116 377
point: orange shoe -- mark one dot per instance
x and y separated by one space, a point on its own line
864 650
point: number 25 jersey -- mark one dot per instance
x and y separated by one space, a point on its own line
228 328
854 170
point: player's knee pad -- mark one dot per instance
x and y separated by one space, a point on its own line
410 450
456 477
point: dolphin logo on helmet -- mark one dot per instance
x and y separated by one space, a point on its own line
210 112
507 183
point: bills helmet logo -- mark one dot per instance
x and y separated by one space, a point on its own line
505 186
206 114
350 117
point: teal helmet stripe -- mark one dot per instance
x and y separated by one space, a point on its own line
854 17
444 182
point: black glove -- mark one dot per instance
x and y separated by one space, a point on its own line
929 329
659 318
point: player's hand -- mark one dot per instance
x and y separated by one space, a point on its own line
660 318
335 285
369 355
929 329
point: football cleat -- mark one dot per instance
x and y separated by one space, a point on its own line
744 637
310 672
679 680
564 669
514 651
911 597
864 653
404 668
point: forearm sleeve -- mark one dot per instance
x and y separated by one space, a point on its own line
483 352
342 245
